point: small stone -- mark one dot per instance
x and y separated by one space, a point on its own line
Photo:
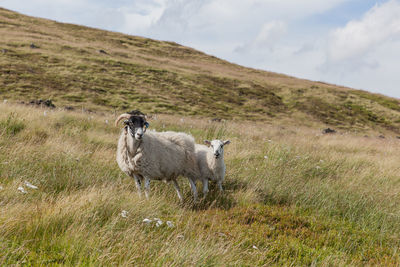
124 214
170 224
106 121
147 220
328 131
158 222
22 190
28 184
265 157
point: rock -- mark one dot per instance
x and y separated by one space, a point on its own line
124 214
216 120
103 52
328 131
33 46
381 136
398 137
147 220
4 51
47 103
22 190
28 184
69 108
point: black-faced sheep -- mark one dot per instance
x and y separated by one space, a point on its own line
154 155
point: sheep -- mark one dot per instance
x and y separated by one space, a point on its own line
210 162
154 155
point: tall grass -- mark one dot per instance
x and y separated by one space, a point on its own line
292 197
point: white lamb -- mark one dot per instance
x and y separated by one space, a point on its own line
210 161
154 155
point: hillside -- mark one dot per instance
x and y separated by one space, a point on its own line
82 67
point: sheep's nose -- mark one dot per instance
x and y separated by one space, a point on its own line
139 135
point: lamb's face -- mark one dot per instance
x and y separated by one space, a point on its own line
136 126
217 146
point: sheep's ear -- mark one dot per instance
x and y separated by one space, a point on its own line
227 142
146 124
126 122
207 142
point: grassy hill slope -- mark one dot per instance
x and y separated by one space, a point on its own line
292 197
99 70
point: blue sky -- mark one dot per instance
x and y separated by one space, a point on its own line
354 43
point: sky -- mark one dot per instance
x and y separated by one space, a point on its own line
354 43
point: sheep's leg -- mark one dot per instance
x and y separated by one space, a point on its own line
220 186
178 190
138 184
205 187
194 189
147 187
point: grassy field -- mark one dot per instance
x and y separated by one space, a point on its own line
93 69
293 196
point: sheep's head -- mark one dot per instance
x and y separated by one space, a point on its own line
135 123
217 146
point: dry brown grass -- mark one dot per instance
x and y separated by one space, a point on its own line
315 200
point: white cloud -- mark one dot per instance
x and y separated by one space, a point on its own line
359 37
270 33
267 38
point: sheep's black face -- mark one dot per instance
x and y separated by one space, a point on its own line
136 126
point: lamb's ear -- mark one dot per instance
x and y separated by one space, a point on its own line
207 142
126 122
146 124
227 142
